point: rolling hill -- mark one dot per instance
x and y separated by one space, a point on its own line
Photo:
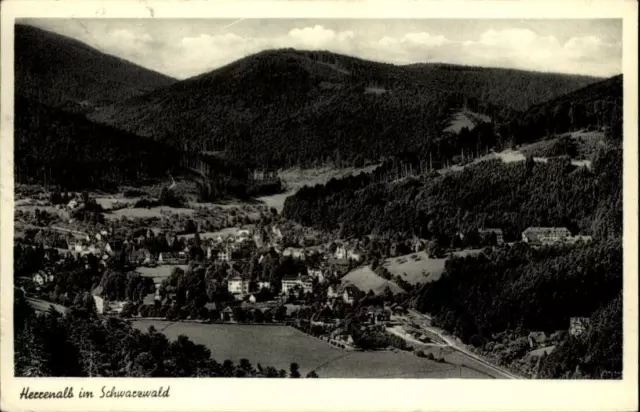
53 146
284 108
596 106
65 73
437 206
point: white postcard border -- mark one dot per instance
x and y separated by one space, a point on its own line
331 394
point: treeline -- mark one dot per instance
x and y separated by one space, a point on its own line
490 194
596 354
527 289
597 106
82 345
286 108
56 148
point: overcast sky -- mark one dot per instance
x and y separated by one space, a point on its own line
185 47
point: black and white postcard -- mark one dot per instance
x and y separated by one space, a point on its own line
319 206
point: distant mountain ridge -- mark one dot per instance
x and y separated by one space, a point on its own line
282 108
273 109
63 72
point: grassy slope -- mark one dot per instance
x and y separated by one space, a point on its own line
415 271
365 279
279 346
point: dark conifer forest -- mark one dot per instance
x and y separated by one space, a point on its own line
286 108
60 148
489 194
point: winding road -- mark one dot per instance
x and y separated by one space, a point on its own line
424 322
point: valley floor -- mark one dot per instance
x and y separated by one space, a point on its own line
279 346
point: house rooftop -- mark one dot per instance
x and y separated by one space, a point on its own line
534 229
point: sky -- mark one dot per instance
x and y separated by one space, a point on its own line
182 48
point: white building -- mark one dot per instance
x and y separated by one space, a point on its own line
264 284
289 283
354 255
224 255
546 235
237 285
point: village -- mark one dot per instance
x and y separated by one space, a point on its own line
259 272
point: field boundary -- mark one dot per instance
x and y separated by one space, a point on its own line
204 322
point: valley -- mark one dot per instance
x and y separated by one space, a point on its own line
311 214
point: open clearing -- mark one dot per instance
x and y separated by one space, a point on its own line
279 346
295 179
466 119
276 346
366 279
142 213
418 268
159 273
415 267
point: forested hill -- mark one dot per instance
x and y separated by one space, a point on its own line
62 72
598 105
56 147
490 194
286 107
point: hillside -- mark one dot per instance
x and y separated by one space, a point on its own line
438 207
65 73
287 108
56 147
597 106
367 280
